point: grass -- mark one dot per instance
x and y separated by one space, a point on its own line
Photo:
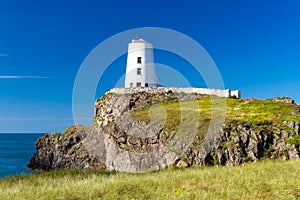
262 180
259 111
256 113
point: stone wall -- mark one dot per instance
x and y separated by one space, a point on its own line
189 90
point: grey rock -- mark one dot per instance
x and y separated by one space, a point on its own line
181 164
292 151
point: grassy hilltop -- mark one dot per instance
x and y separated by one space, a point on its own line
252 129
265 179
252 111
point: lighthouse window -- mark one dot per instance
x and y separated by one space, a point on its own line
139 71
139 60
138 84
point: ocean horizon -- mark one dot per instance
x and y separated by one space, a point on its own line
16 150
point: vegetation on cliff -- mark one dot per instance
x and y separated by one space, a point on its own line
253 129
252 112
135 131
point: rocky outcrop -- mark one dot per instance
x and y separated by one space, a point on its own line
121 140
63 150
283 99
243 143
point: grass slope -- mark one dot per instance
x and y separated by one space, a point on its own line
261 180
256 113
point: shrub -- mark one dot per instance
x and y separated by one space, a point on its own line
249 159
269 151
293 141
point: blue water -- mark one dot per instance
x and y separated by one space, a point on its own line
15 152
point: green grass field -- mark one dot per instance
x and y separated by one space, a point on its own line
261 180
251 112
257 113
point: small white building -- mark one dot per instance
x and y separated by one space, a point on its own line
140 70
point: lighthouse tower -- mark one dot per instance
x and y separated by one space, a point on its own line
140 71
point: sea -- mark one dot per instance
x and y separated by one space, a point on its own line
16 150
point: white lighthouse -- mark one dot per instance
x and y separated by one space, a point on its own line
140 70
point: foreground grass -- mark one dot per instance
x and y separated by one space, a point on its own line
261 180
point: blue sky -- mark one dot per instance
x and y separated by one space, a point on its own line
255 45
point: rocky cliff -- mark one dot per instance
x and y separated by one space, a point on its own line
141 131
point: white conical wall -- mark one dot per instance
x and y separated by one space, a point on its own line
140 70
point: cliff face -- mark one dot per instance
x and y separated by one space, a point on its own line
243 143
142 131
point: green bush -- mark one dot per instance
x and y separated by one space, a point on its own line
248 159
269 151
293 141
